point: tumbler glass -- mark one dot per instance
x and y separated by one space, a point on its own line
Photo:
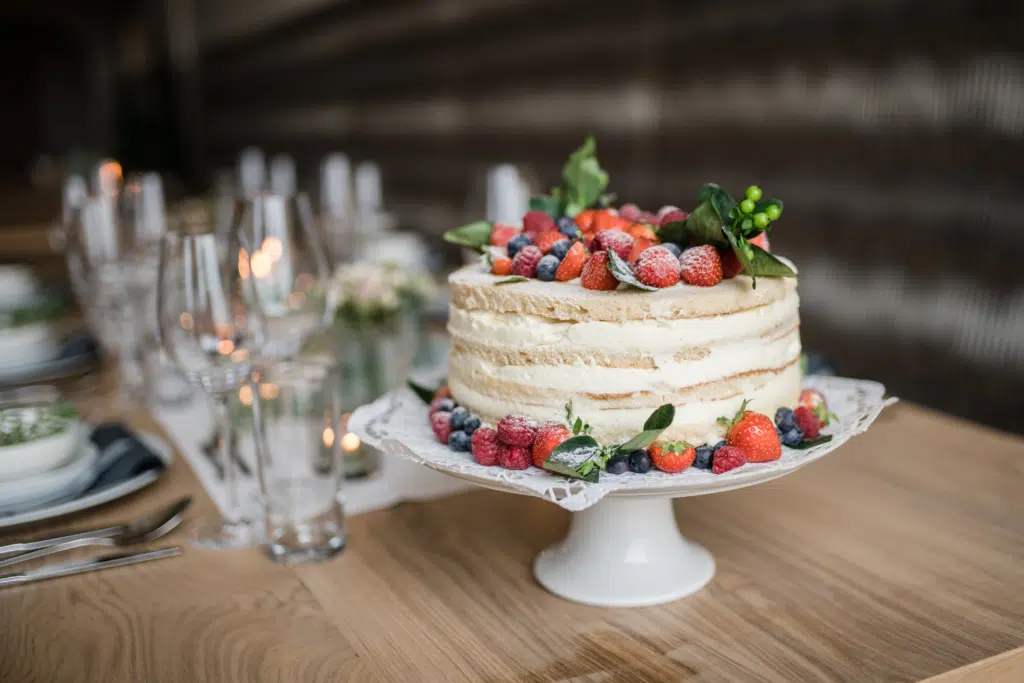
299 417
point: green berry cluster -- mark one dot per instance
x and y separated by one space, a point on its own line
761 219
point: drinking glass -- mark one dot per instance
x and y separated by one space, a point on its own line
305 520
209 330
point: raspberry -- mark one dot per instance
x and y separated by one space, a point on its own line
546 240
621 243
501 234
808 422
701 266
727 458
572 265
672 456
502 266
535 222
441 423
657 267
547 267
517 430
673 214
525 262
596 275
517 243
441 404
731 266
630 212
486 446
514 457
549 436
639 246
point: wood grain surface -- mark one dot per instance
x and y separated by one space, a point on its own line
898 558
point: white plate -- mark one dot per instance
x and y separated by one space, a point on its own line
63 365
159 447
41 457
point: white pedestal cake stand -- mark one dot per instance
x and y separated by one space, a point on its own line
624 548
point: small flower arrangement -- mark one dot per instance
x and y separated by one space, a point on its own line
368 293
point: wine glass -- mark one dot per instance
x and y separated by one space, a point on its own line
287 268
210 330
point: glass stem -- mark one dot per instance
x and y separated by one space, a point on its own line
222 411
262 453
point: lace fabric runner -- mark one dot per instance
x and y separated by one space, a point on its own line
397 424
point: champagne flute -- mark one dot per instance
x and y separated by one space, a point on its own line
210 330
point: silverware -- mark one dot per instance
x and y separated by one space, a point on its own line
100 532
143 530
83 566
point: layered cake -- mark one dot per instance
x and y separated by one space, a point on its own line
596 339
528 347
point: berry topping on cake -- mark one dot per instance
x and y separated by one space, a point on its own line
526 260
606 220
631 212
813 399
657 267
502 266
485 446
440 404
640 245
620 242
471 424
676 250
549 436
785 419
517 430
548 239
701 266
808 422
459 441
501 234
791 437
754 433
514 457
572 265
458 417
639 462
567 226
640 231
535 222
761 241
595 273
517 243
546 268
728 458
443 391
585 219
731 266
702 457
560 248
617 464
671 456
440 422
669 214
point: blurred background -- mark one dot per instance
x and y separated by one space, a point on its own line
893 130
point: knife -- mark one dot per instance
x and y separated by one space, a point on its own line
25 546
83 566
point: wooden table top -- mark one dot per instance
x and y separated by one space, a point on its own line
898 558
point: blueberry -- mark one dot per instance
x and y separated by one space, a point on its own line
792 437
567 226
674 248
458 419
446 405
639 462
517 243
717 446
702 460
471 424
785 419
459 441
617 464
546 268
559 249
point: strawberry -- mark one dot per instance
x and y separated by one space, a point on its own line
525 262
572 265
606 220
754 434
595 273
517 430
443 392
536 222
441 423
761 241
585 219
701 266
620 242
671 215
731 266
815 402
486 446
502 266
657 267
727 458
549 436
641 231
501 234
640 245
807 421
671 456
545 240
514 457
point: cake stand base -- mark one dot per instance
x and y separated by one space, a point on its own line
625 551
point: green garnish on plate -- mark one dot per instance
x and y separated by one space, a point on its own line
22 424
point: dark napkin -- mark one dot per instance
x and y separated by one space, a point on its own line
123 456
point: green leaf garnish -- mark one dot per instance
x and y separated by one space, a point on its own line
607 199
623 272
46 308
583 178
474 235
512 279
574 422
766 264
552 206
808 443
425 394
674 231
576 458
660 420
24 424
